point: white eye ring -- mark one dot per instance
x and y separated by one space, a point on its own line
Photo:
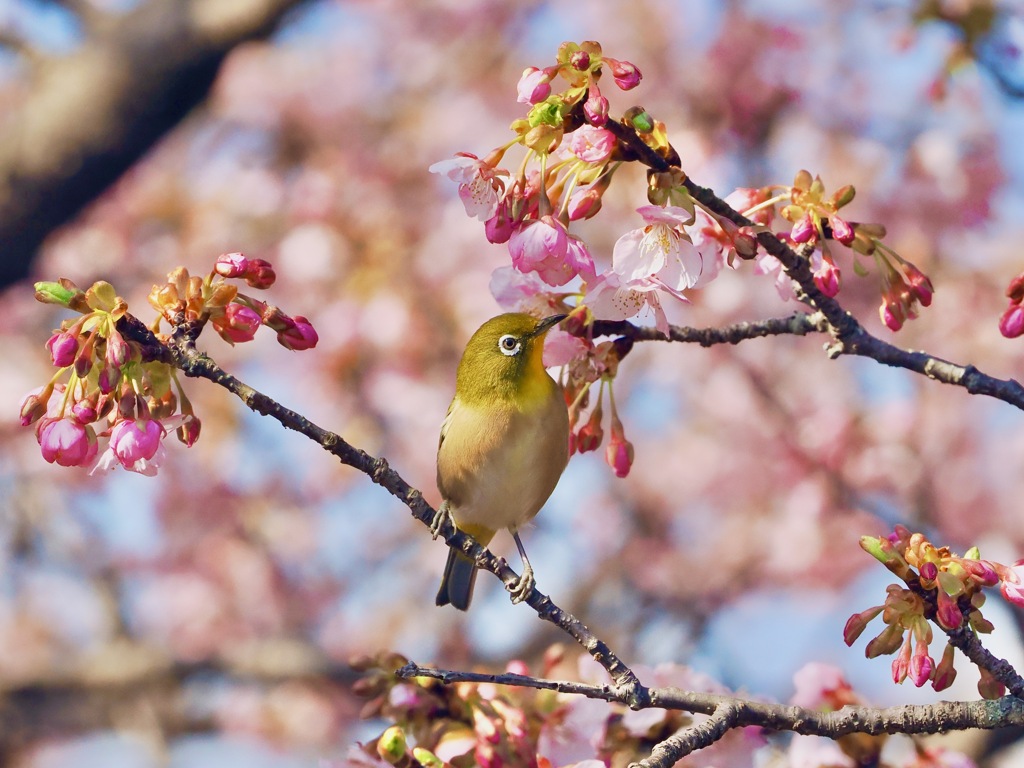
509 345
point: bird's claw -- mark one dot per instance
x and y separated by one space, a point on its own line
524 585
443 514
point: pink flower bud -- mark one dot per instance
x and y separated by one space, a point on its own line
500 226
299 336
1015 290
63 347
590 434
1011 587
584 202
108 380
857 623
133 440
892 315
804 230
901 664
1011 324
592 144
259 274
534 86
929 571
596 106
84 411
920 285
625 74
188 432
841 230
238 324
827 277
66 442
948 613
33 407
231 265
118 351
619 455
921 666
580 60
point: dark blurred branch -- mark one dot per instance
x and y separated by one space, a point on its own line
93 113
134 687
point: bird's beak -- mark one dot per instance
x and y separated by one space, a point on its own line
545 324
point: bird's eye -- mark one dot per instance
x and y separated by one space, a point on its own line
509 345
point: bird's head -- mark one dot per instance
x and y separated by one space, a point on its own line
503 360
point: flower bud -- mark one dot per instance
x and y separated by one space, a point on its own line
188 432
921 666
886 642
580 60
33 407
625 74
534 86
260 274
238 324
1015 290
299 336
118 351
857 623
63 347
596 107
804 230
231 265
988 686
1011 324
841 230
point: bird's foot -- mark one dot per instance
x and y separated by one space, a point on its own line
523 586
443 514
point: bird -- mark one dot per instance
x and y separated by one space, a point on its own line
504 445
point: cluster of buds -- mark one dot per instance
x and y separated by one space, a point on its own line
1011 324
235 316
115 394
596 363
940 586
107 387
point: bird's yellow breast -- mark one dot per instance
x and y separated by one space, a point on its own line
498 463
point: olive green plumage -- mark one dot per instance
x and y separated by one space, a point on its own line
504 444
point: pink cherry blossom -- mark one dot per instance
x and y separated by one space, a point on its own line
544 246
612 298
660 250
625 74
135 442
592 144
480 187
67 442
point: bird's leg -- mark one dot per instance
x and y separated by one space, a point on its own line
526 582
443 513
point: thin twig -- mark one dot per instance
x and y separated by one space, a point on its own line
688 740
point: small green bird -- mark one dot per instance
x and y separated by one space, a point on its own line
504 444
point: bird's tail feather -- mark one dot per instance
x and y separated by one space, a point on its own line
457 582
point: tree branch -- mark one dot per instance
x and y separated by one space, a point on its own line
909 718
849 336
92 114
